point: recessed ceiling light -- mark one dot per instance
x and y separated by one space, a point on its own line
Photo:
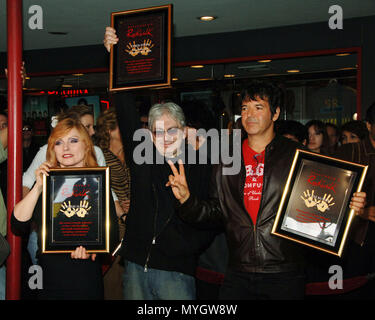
207 18
229 75
264 61
343 54
67 85
174 79
293 71
197 66
77 74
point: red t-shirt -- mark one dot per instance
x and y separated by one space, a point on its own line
254 164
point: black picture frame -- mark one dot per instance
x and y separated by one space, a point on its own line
76 210
142 57
314 209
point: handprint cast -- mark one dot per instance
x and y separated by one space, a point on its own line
321 204
70 211
310 200
144 48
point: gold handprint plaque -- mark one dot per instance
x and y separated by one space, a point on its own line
142 57
314 209
76 210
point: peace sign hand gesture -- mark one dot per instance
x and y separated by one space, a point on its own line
178 183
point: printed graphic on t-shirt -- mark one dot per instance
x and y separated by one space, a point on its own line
254 165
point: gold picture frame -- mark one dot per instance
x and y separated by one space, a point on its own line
314 208
76 210
142 57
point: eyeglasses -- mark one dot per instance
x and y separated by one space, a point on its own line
171 132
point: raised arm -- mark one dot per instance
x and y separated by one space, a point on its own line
127 114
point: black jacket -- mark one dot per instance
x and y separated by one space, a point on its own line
362 152
155 236
251 247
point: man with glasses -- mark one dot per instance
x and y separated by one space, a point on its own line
160 251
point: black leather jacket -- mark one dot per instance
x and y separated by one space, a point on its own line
252 248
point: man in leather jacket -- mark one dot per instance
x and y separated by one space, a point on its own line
261 265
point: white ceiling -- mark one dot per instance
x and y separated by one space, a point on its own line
85 20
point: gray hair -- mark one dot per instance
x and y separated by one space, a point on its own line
170 108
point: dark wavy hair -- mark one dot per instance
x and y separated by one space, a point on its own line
107 121
292 127
320 128
357 127
264 90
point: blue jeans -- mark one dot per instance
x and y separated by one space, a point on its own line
2 282
32 246
156 284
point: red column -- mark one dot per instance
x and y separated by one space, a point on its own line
14 33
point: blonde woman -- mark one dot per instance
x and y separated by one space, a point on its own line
78 275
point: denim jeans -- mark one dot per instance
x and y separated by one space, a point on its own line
32 246
156 284
2 282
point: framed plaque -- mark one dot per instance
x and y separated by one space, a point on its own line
76 210
314 208
142 57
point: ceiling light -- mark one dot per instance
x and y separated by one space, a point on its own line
207 18
264 61
197 66
229 75
293 71
67 85
174 79
77 74
342 54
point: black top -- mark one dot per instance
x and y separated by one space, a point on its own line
64 277
155 236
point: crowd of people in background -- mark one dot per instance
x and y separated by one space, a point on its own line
323 137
